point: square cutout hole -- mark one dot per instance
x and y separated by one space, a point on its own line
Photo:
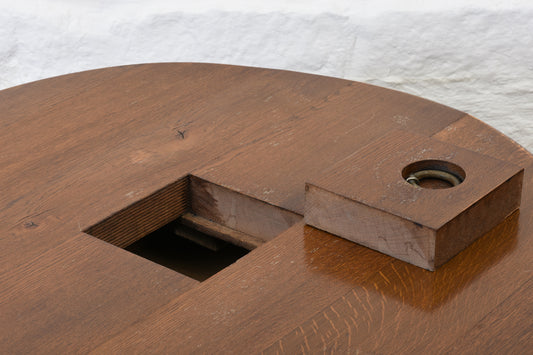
185 227
180 253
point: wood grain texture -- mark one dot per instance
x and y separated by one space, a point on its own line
405 309
371 227
234 210
501 331
83 147
80 294
145 216
366 199
244 301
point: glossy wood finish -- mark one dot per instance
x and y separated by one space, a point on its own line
81 148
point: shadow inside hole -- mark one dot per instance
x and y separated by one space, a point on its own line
434 184
166 248
434 174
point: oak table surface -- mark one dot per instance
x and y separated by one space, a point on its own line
79 148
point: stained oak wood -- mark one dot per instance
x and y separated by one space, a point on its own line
220 232
235 211
81 148
365 198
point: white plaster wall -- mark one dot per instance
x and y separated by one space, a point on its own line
477 57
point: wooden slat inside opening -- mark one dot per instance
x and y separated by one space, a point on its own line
219 231
203 206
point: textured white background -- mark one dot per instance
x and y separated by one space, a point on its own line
476 58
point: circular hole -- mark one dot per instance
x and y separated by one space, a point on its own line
433 174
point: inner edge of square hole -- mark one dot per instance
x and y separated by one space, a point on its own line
184 227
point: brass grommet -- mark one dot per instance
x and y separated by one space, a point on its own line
414 178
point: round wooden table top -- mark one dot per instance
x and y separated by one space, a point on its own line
115 149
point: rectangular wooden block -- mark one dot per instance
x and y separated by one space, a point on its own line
366 198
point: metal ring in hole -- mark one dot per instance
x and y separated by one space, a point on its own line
414 178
